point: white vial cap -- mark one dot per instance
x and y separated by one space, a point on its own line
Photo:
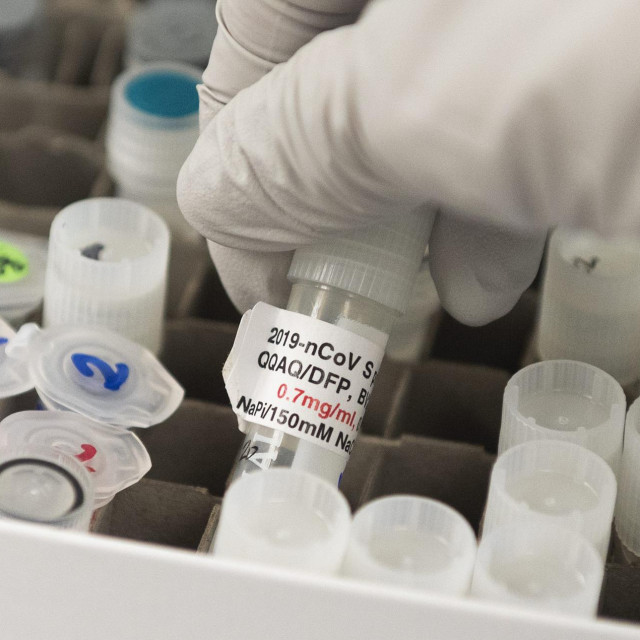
107 267
546 482
412 542
15 377
564 400
547 568
284 517
152 128
23 263
590 309
98 374
627 513
163 31
379 262
114 458
41 484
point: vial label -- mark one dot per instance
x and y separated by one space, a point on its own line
13 263
301 376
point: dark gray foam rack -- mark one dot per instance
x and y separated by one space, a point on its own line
431 428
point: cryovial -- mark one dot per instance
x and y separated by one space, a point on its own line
164 31
590 309
300 379
107 267
23 263
557 483
152 127
412 542
544 567
565 400
284 517
42 484
114 457
96 373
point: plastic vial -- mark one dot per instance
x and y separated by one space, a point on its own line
164 31
23 263
546 567
107 267
152 128
553 483
284 517
40 484
565 400
361 282
627 513
590 309
413 542
19 19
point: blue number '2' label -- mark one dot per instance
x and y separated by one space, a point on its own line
113 379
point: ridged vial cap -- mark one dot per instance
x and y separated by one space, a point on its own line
379 263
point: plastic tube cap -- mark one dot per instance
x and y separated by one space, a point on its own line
15 377
287 518
553 483
97 373
590 309
564 400
107 267
165 31
546 567
115 458
379 262
627 513
414 542
23 262
41 484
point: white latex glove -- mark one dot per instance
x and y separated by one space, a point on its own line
509 116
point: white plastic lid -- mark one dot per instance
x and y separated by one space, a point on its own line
115 458
414 542
284 517
163 31
107 267
554 483
564 400
590 309
23 262
98 374
41 484
546 567
15 377
379 263
627 514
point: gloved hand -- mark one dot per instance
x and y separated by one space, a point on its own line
508 117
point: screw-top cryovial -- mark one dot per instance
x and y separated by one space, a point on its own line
42 484
23 263
590 308
627 513
413 542
284 517
96 373
107 267
564 400
115 458
545 567
152 128
164 31
546 482
317 370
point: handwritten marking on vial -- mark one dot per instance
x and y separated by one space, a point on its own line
88 453
586 265
113 379
93 251
4 340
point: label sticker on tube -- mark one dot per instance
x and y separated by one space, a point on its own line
301 376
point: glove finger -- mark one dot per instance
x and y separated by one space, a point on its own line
481 270
251 276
